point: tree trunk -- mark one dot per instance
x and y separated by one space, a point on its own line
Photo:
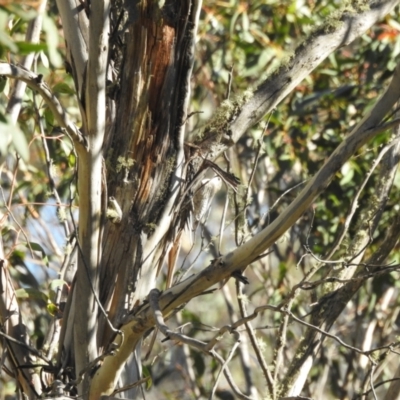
143 167
144 151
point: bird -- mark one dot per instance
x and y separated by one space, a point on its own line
203 198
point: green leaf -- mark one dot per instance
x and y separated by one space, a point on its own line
18 26
56 283
51 30
348 174
44 59
334 200
12 134
52 309
245 21
67 147
17 257
37 247
7 42
199 364
4 139
282 270
64 88
146 373
26 47
246 36
53 288
29 293
23 12
20 143
48 117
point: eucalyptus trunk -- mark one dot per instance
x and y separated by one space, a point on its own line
133 85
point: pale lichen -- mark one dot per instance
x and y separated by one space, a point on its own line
150 227
61 214
286 61
124 163
225 114
335 20
114 212
113 216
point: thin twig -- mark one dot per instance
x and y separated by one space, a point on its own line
222 223
253 340
265 216
366 393
197 344
244 348
93 364
280 345
229 378
325 333
9 212
223 218
354 203
32 36
371 376
131 386
225 364
228 89
252 174
285 310
35 82
26 346
49 164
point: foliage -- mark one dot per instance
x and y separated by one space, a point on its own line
240 44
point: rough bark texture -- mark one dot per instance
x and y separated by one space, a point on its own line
144 158
141 182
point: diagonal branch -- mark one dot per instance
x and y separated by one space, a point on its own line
207 348
331 305
222 268
337 31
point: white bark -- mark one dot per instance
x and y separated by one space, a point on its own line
90 192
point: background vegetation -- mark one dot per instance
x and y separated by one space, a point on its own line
239 45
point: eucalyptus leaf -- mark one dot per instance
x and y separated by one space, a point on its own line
25 13
5 139
30 293
12 134
51 30
19 142
7 42
37 247
56 283
26 47
64 88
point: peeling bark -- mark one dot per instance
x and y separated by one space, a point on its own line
145 160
